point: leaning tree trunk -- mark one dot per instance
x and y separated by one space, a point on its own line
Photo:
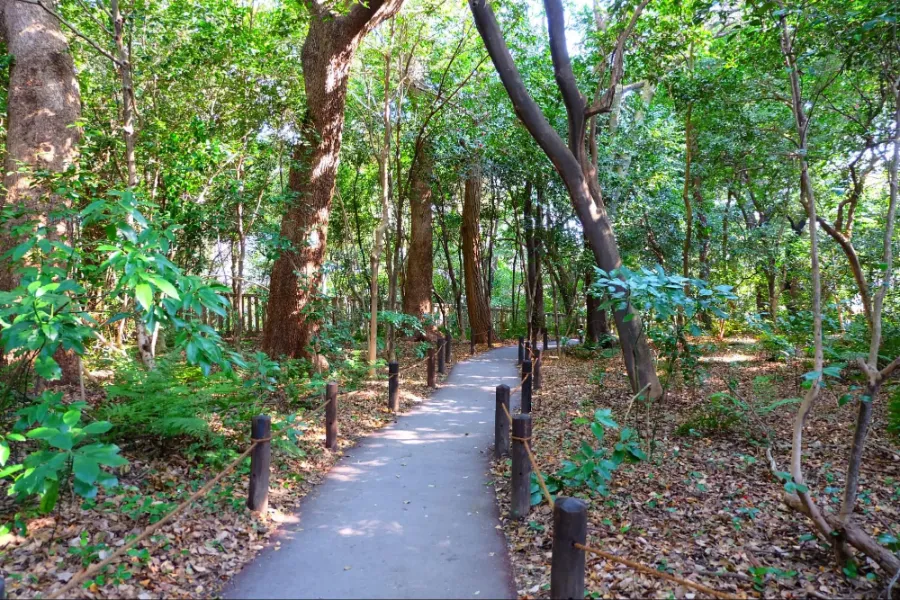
420 262
43 105
476 300
571 162
297 273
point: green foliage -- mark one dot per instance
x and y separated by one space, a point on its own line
721 413
894 413
171 401
66 449
592 468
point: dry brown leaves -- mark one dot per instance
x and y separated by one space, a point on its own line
197 553
703 507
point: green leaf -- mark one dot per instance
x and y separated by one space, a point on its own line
71 417
598 431
98 427
10 470
62 440
85 469
4 452
42 433
605 418
50 496
165 287
143 293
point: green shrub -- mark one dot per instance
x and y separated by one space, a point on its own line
894 413
722 413
173 400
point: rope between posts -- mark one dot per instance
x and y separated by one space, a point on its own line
532 459
96 568
606 555
655 572
421 362
519 387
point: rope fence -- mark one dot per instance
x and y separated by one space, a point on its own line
569 514
259 450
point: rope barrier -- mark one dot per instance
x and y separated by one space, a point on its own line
641 568
606 555
519 387
94 569
421 362
533 460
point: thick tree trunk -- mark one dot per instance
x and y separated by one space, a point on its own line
296 275
597 326
420 262
43 106
476 300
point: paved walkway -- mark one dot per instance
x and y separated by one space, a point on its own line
408 512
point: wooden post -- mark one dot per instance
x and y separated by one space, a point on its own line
471 344
526 386
521 350
260 459
536 375
527 350
520 503
431 378
491 336
567 564
331 423
501 422
441 359
448 348
546 339
393 386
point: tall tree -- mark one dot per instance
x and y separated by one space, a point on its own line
44 104
296 275
420 262
571 160
476 298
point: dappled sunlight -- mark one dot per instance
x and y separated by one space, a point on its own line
734 357
369 528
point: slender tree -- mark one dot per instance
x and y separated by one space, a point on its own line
571 160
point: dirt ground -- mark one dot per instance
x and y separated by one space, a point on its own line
705 505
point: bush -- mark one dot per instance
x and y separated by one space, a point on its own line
894 413
173 400
722 413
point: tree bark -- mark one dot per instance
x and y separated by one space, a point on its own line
296 275
571 161
420 261
476 300
43 105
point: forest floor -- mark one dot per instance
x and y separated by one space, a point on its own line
199 551
704 504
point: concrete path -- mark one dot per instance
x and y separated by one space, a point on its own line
408 512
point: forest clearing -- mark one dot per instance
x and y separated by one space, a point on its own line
418 299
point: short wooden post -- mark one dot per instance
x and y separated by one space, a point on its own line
521 350
448 349
491 336
567 564
536 375
526 386
441 359
431 378
331 423
527 350
501 422
393 386
471 344
260 458
520 502
546 339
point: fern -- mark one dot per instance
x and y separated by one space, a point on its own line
172 401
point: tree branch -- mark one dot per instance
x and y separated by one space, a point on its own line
72 28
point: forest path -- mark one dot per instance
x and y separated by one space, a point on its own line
406 513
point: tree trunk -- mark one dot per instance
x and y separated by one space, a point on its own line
420 262
572 164
296 275
476 300
597 326
43 105
537 281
